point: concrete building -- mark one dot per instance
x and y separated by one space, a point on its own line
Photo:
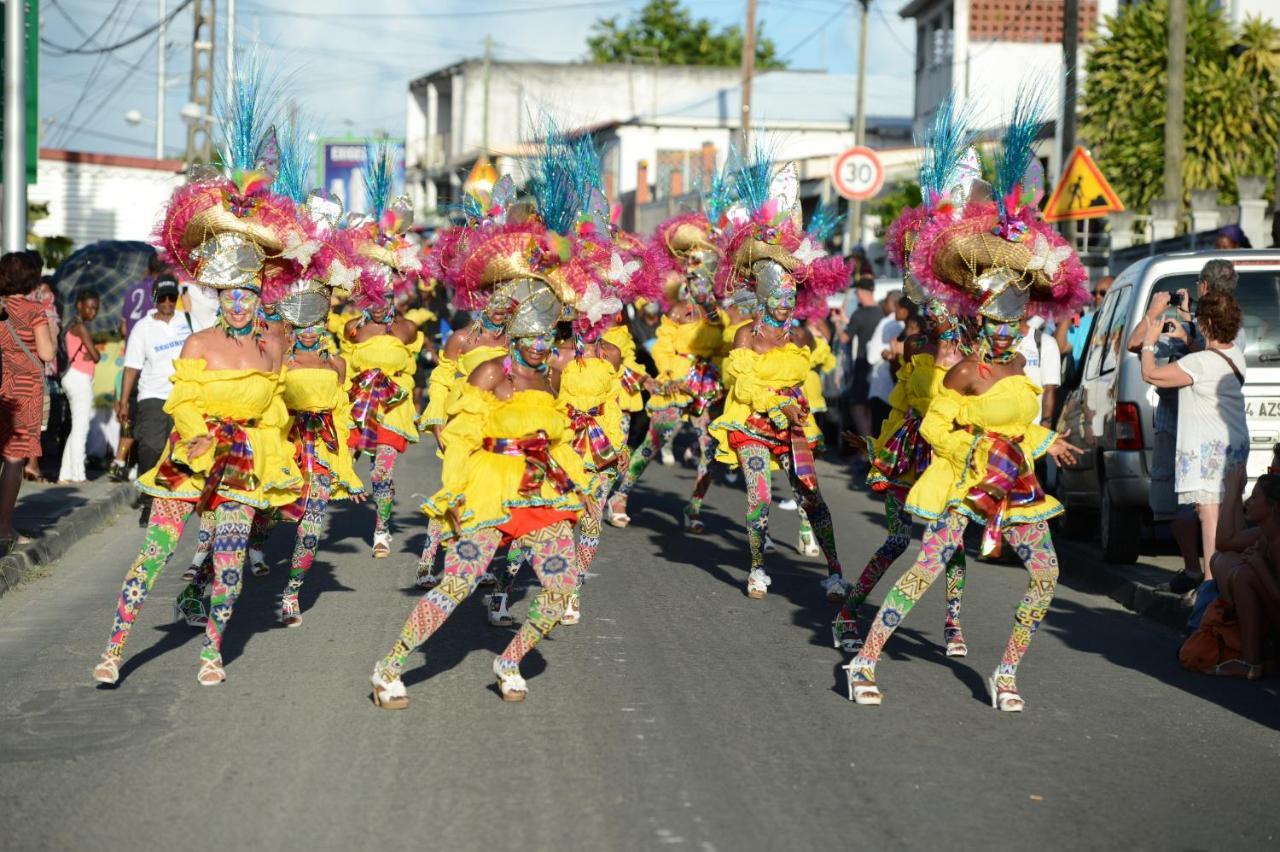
662 130
95 197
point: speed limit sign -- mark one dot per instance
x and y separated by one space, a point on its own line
858 174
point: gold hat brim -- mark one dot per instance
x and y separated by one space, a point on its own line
963 258
216 219
755 250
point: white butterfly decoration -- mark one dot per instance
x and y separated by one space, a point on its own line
785 187
595 306
809 251
297 247
407 258
343 277
1046 257
620 272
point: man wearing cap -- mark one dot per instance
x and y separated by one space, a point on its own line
153 344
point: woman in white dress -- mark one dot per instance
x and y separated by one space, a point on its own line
1213 434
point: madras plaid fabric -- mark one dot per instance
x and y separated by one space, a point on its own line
589 439
310 429
631 380
232 462
1010 480
703 384
904 453
781 434
372 392
538 464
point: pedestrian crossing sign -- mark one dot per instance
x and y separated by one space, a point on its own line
1082 192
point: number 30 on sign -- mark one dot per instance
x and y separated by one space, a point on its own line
858 174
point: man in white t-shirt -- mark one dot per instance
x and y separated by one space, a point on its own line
153 344
878 358
1044 365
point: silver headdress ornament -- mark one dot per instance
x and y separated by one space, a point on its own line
229 260
305 304
1006 294
772 281
537 309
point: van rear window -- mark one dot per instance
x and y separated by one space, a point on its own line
1259 296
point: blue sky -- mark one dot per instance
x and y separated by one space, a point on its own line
350 70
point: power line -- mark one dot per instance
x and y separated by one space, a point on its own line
95 73
889 26
133 39
811 36
469 13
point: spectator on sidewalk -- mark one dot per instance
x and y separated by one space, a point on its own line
138 301
1212 431
25 347
47 298
1232 237
149 353
1078 328
77 384
855 339
1043 365
880 357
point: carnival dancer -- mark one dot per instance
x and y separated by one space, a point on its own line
382 349
994 261
688 342
629 269
899 455
510 474
226 450
766 417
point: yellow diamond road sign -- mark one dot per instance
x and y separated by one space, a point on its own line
1082 192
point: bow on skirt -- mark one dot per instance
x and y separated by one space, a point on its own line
782 435
372 393
703 384
311 429
904 454
589 439
232 466
539 467
1009 480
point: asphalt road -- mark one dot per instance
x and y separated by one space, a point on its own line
679 713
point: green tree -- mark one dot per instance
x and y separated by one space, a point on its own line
905 193
1231 108
54 250
665 31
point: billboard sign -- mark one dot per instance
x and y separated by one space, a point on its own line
341 163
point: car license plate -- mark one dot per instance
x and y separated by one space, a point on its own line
1262 408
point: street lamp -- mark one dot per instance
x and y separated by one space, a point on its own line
192 113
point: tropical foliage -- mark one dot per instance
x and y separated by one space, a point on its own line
1232 104
665 32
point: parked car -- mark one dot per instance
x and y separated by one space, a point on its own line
1110 412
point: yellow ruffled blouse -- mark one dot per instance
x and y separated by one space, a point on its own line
490 481
821 360
448 378
918 381
620 336
318 389
398 361
592 383
756 382
675 348
1011 407
253 397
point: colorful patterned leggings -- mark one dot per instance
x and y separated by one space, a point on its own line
263 523
754 460
168 517
589 524
663 425
895 544
551 551
427 561
942 539
310 526
382 484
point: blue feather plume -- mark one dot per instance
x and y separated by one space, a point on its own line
720 197
293 177
564 177
1017 147
751 180
379 175
246 116
823 223
948 138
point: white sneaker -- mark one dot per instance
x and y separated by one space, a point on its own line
836 587
808 544
381 545
769 546
258 563
787 505
758 584
668 457
572 614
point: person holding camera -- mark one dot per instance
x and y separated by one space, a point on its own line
154 342
1212 433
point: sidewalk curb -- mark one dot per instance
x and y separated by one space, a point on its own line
57 540
1159 605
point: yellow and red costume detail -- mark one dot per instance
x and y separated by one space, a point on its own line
589 398
760 386
684 353
633 373
380 383
321 416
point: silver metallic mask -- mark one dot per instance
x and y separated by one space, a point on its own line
537 309
1005 295
230 260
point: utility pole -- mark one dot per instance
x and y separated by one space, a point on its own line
231 50
1070 48
748 71
859 123
488 60
15 125
199 133
160 81
1175 93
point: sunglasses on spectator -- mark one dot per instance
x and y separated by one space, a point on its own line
167 297
1099 294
